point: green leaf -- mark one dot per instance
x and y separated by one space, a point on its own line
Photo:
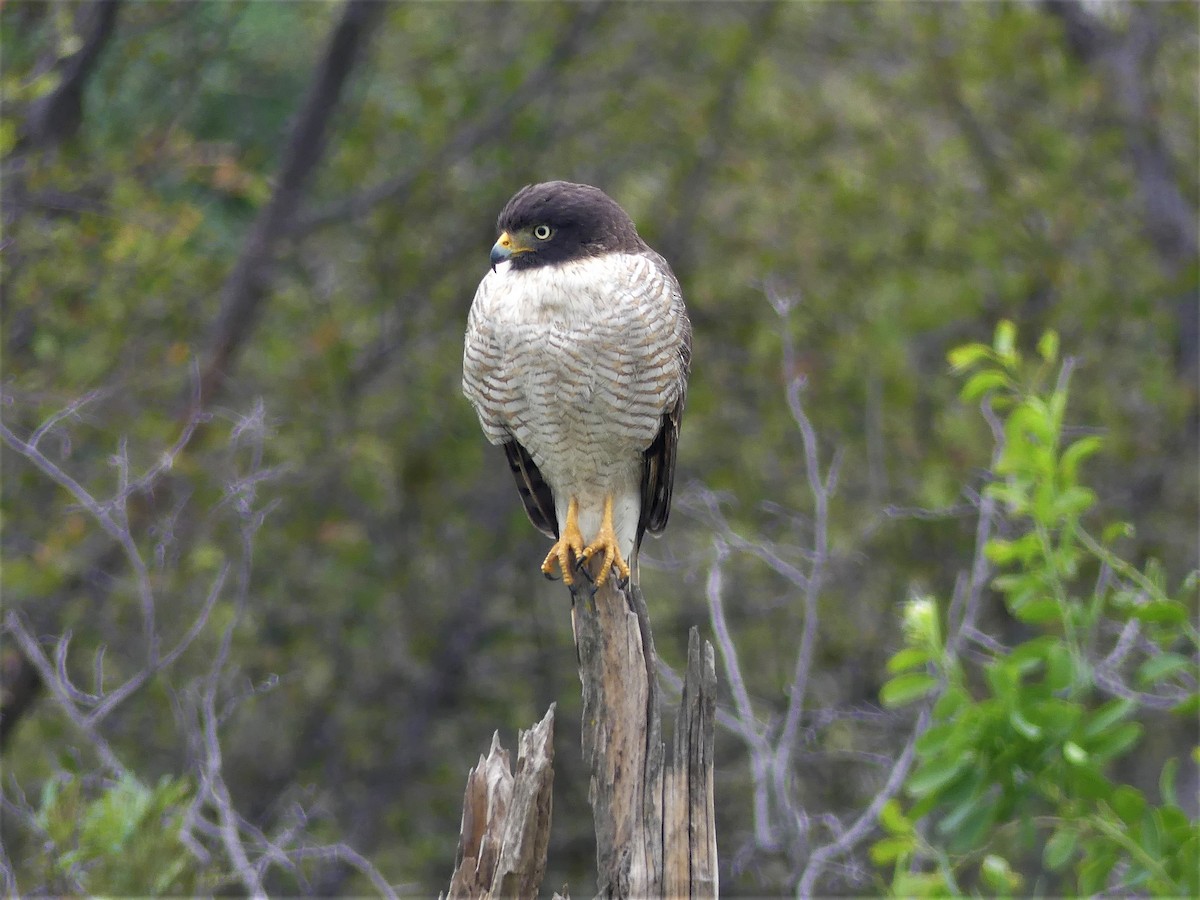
1060 668
1074 754
1060 848
968 825
922 884
8 136
906 688
1005 341
1088 784
1068 464
1116 531
909 658
950 703
1175 823
1072 502
893 820
1093 873
1188 707
983 382
1107 716
1157 668
935 774
998 874
1117 741
1152 832
68 762
1003 680
936 737
1041 611
1128 803
1160 612
1166 782
1023 726
1000 552
968 355
1048 345
1036 650
889 849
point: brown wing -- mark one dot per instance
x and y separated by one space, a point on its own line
658 468
535 493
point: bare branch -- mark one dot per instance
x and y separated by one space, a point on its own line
344 853
964 607
733 670
823 856
114 698
33 652
70 411
761 757
821 489
117 531
212 784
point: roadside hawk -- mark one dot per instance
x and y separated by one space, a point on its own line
576 360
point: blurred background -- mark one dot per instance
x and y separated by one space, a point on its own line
259 226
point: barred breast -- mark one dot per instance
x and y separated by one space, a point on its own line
577 362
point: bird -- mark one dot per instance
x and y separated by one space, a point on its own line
576 359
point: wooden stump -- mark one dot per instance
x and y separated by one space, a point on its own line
655 829
506 819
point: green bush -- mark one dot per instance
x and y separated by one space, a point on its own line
120 840
1012 785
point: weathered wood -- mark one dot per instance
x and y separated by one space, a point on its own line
689 827
506 819
655 833
655 828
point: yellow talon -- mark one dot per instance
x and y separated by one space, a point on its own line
606 543
570 541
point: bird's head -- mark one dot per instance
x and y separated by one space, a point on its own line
558 221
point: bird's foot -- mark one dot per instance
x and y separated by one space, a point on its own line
569 543
606 545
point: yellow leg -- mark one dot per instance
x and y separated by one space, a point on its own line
569 542
606 543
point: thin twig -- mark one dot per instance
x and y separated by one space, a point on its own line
760 750
112 699
821 489
114 530
866 821
33 652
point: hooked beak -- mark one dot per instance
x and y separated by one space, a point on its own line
506 247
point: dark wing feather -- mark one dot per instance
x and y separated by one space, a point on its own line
535 493
658 474
658 467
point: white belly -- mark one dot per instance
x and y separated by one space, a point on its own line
580 372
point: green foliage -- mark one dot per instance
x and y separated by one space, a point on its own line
120 840
916 172
1019 758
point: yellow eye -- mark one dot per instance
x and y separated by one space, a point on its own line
543 232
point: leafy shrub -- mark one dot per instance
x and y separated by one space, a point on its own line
121 840
1013 785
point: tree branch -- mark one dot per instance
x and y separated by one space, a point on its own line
1122 59
471 135
56 117
245 288
867 819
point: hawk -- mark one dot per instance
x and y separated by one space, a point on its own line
577 353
